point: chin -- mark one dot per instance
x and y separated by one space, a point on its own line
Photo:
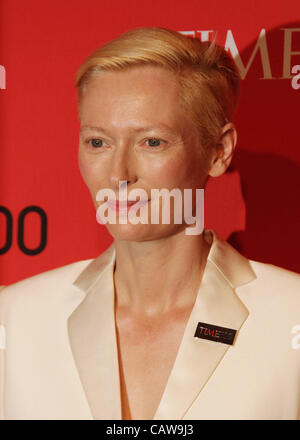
141 232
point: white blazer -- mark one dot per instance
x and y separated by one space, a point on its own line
59 355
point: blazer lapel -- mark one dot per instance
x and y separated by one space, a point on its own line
217 304
92 338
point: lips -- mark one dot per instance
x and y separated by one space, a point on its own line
117 205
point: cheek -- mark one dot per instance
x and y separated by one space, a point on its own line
90 171
172 172
163 172
83 167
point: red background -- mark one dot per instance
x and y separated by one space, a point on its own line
255 205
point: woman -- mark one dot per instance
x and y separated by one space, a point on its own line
165 324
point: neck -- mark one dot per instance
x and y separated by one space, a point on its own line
154 277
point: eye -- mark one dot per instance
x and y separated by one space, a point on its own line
96 143
154 142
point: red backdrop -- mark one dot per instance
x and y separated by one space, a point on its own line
255 205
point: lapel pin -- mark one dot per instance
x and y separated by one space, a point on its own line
215 333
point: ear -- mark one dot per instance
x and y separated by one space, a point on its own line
223 153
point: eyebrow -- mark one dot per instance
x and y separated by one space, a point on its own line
161 127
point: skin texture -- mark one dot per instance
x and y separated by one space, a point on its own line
158 267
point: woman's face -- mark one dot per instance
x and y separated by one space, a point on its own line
134 129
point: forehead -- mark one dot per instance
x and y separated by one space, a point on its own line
132 80
136 93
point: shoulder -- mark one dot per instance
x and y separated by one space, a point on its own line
274 289
275 276
50 283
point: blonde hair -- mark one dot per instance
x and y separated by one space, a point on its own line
207 76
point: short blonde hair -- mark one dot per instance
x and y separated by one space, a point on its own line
207 75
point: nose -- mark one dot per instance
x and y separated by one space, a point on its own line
123 166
